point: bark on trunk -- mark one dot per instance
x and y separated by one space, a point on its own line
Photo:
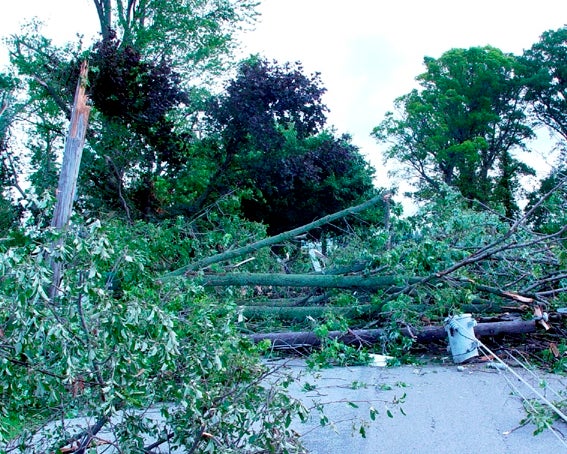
301 312
290 340
287 311
392 284
305 280
285 236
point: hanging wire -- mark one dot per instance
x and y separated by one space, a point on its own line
525 399
531 372
529 403
530 387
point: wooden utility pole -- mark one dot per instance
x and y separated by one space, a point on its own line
70 167
73 152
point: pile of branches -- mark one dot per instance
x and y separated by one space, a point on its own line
447 259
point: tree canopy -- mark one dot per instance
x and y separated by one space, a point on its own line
544 67
462 126
195 36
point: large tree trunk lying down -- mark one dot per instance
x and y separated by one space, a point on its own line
290 340
286 311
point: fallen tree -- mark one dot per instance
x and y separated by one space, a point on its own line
303 280
389 284
282 237
361 337
300 313
450 260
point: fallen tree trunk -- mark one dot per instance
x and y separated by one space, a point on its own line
304 280
290 340
228 255
311 300
299 313
392 284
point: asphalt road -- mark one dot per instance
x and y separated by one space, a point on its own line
440 409
435 408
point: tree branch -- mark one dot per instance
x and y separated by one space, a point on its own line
272 240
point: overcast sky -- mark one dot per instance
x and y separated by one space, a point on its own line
367 51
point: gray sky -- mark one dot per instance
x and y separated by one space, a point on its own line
368 51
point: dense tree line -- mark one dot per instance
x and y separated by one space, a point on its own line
161 145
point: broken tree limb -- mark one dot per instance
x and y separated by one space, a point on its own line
303 280
300 313
372 336
285 236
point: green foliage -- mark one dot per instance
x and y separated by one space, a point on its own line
441 234
94 352
396 345
46 85
197 36
540 414
555 358
270 121
332 352
137 143
143 125
461 126
543 68
549 217
318 176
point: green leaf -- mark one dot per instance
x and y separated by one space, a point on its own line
373 413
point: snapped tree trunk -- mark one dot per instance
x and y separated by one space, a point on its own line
70 168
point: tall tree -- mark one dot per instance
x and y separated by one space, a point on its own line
271 143
263 103
194 35
320 175
143 68
135 140
46 85
10 108
461 127
544 68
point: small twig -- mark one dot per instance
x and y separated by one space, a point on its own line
241 263
148 449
